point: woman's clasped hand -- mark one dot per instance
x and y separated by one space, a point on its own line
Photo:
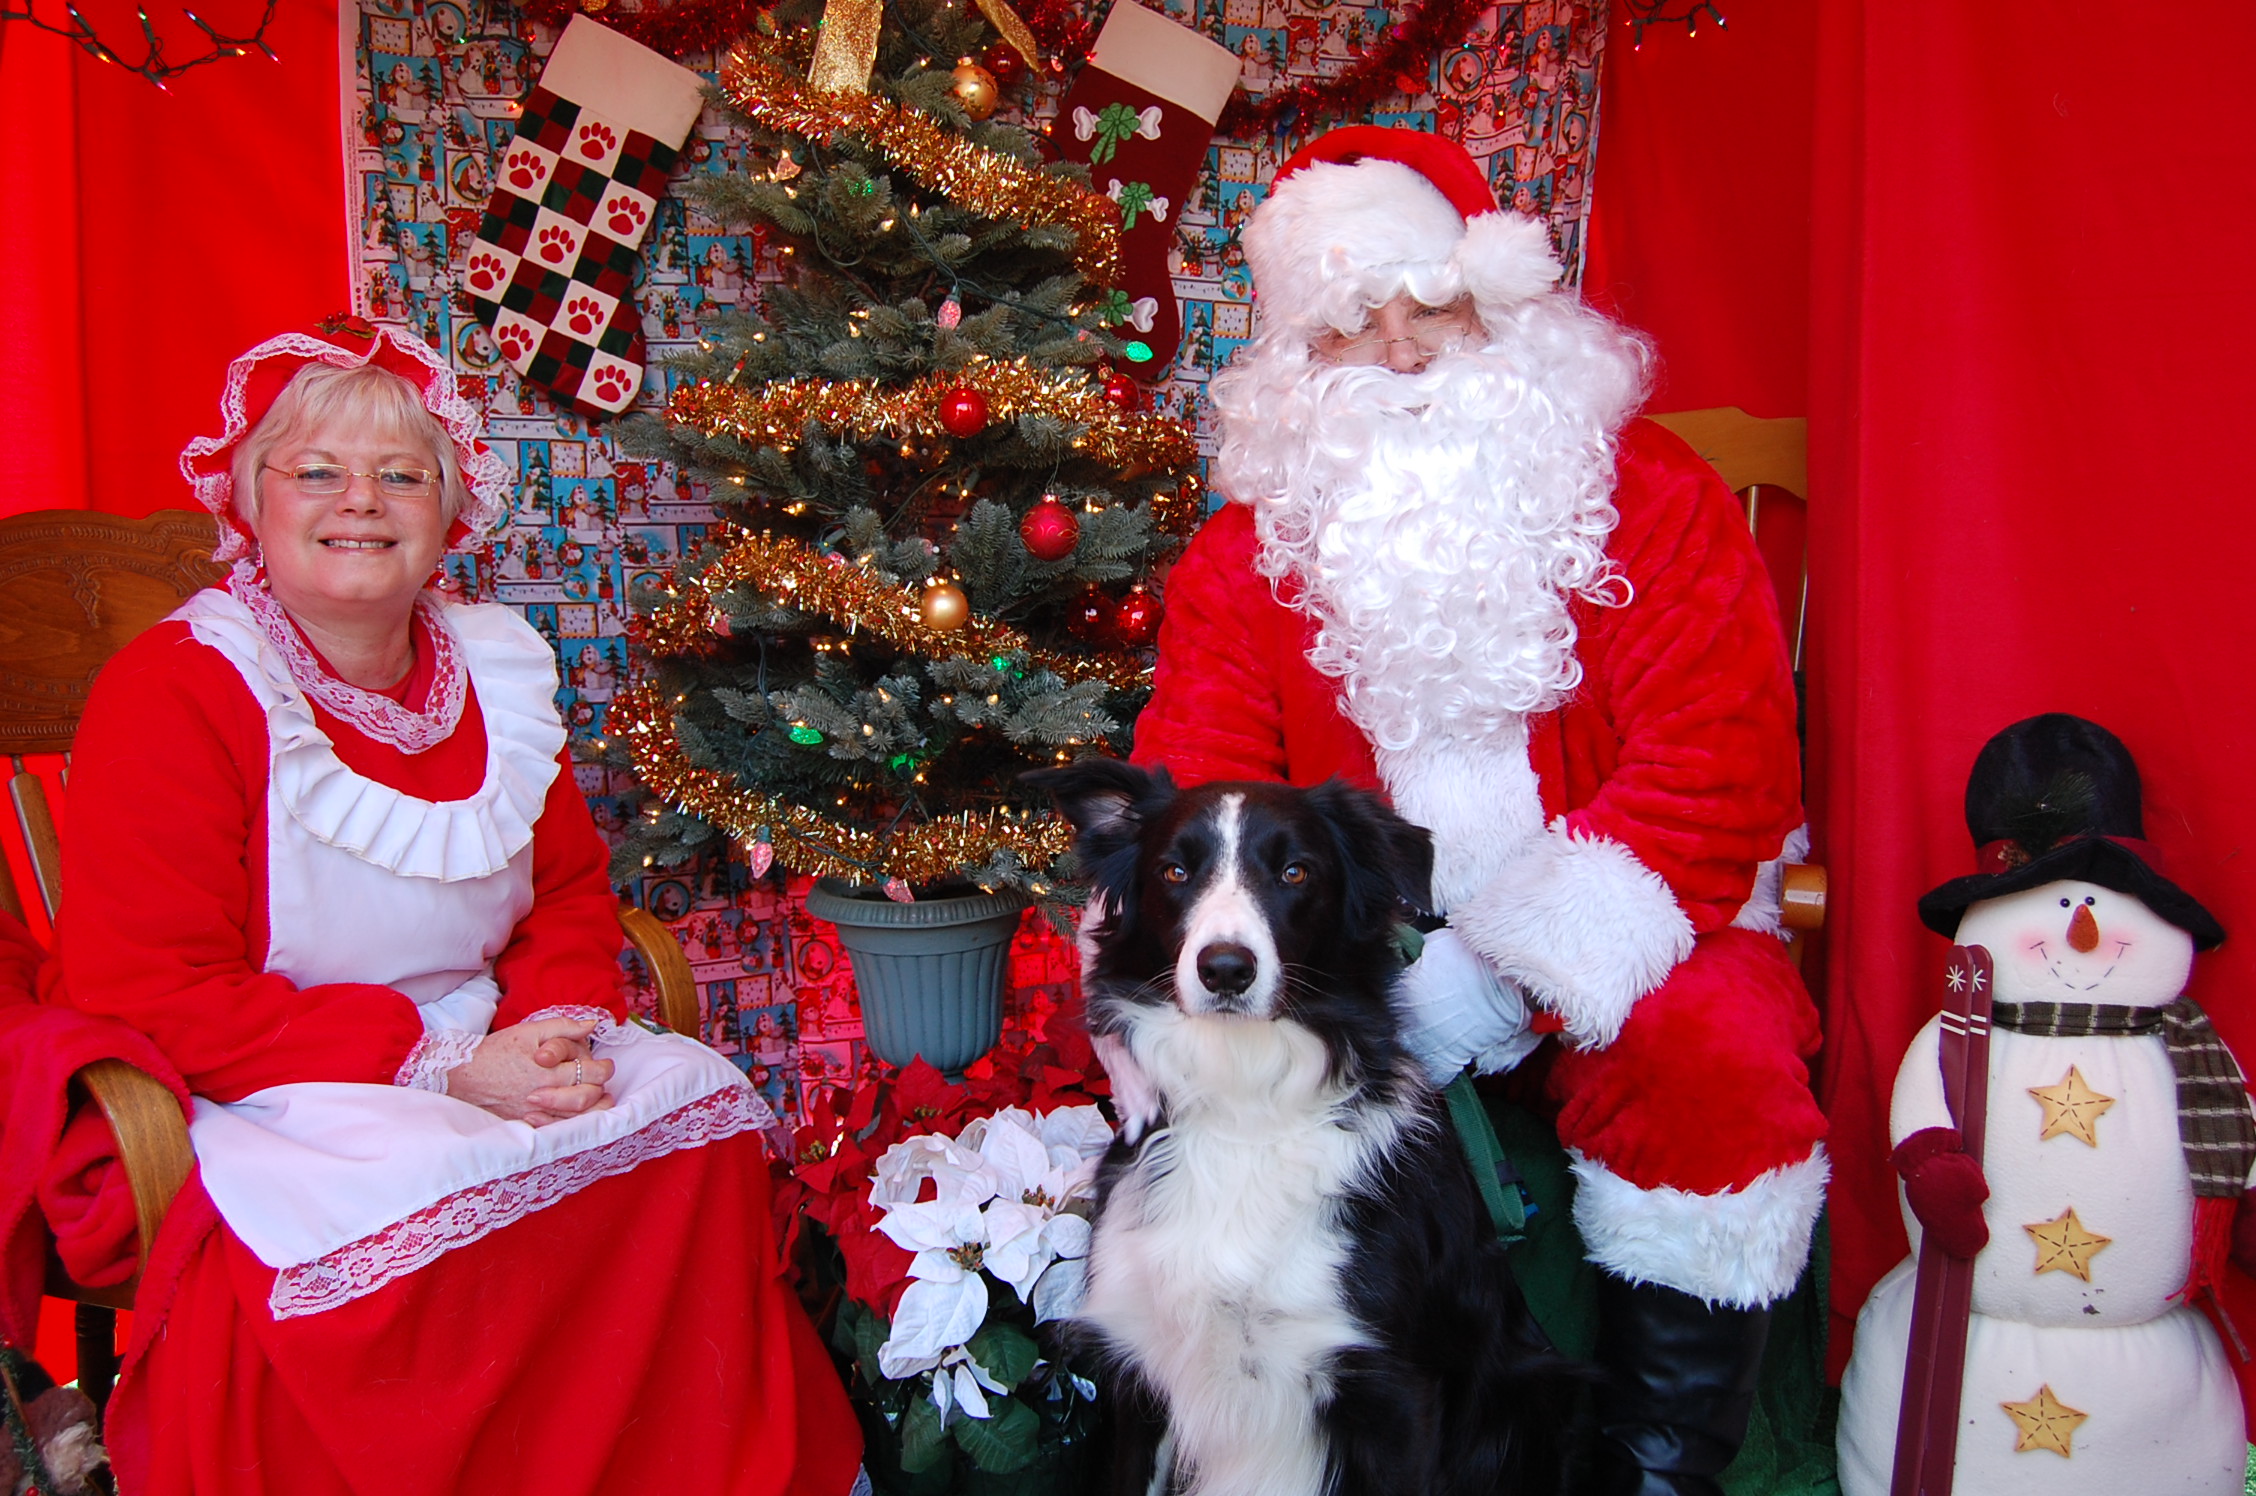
536 1072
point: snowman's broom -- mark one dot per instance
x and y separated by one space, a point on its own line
1934 1368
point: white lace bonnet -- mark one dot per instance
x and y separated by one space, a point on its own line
256 380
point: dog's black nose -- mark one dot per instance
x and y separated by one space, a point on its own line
1226 969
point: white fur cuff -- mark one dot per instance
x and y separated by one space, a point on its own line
1583 925
1743 1248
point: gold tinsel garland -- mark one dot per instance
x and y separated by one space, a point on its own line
808 842
776 412
989 184
811 582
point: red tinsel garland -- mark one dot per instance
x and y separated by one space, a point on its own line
1410 44
677 30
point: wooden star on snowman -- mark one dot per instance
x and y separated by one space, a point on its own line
2071 1107
2064 1246
2044 1422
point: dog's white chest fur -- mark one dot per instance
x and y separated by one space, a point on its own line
1217 1263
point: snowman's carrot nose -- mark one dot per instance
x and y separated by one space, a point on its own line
2083 930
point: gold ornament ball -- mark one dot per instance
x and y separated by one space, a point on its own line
976 90
944 607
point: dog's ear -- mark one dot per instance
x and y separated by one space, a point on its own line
1107 800
1389 862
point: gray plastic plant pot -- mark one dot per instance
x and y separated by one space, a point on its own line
930 973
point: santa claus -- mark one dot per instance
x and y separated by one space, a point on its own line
1454 568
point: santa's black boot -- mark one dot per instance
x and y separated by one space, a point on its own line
1679 1387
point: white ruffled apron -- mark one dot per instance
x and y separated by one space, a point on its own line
344 1187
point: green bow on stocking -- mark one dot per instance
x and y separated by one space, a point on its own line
1137 197
1115 123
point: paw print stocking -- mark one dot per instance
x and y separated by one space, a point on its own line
1140 115
552 270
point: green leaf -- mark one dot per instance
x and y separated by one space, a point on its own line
1008 1441
1004 1352
870 1330
923 1439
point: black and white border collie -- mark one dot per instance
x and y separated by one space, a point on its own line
1292 1278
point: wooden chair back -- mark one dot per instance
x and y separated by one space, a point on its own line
76 587
1766 463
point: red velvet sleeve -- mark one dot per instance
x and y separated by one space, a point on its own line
566 951
1695 677
157 928
1216 711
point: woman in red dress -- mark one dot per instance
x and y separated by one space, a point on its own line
456 1224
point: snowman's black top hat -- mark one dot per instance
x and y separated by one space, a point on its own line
2057 797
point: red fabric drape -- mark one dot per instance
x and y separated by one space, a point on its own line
1699 225
2028 428
2025 407
165 233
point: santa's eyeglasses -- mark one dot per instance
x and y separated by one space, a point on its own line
1434 331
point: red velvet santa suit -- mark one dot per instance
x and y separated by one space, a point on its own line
632 1336
1676 770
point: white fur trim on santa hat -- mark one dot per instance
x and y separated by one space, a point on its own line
1742 1248
1583 926
1334 240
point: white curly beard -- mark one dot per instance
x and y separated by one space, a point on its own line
1437 525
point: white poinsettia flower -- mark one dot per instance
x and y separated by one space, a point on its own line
937 1226
1016 1249
957 1172
1058 1294
932 1319
1081 1129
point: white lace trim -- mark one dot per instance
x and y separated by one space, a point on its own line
434 1055
377 715
514 672
483 472
605 1024
361 1267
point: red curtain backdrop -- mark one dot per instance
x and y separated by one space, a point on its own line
1700 229
150 237
2030 404
2012 308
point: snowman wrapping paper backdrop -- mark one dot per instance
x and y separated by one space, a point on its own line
433 92
2119 1145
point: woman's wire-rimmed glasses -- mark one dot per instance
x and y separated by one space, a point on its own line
327 479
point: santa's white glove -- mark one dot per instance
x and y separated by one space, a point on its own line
1456 1011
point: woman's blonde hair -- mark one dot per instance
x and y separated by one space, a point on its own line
361 397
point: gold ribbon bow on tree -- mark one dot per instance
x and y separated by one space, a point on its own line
847 49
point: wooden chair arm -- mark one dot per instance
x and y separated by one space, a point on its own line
669 969
152 1141
1801 896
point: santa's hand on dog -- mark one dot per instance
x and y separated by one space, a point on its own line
1456 1011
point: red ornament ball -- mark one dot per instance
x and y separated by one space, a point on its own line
1123 392
1003 61
963 412
1135 619
1090 618
1050 530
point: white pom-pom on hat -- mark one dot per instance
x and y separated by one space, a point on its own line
1365 213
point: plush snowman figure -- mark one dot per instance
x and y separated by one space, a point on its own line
2119 1146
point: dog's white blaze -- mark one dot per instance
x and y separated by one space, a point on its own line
1227 912
1218 1260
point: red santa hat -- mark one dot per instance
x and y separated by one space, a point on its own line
1365 213
257 378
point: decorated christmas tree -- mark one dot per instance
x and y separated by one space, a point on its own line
942 495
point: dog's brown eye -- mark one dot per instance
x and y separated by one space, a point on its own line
1174 872
1294 874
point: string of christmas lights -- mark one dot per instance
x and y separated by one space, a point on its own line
809 842
677 30
775 414
152 65
983 181
833 586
